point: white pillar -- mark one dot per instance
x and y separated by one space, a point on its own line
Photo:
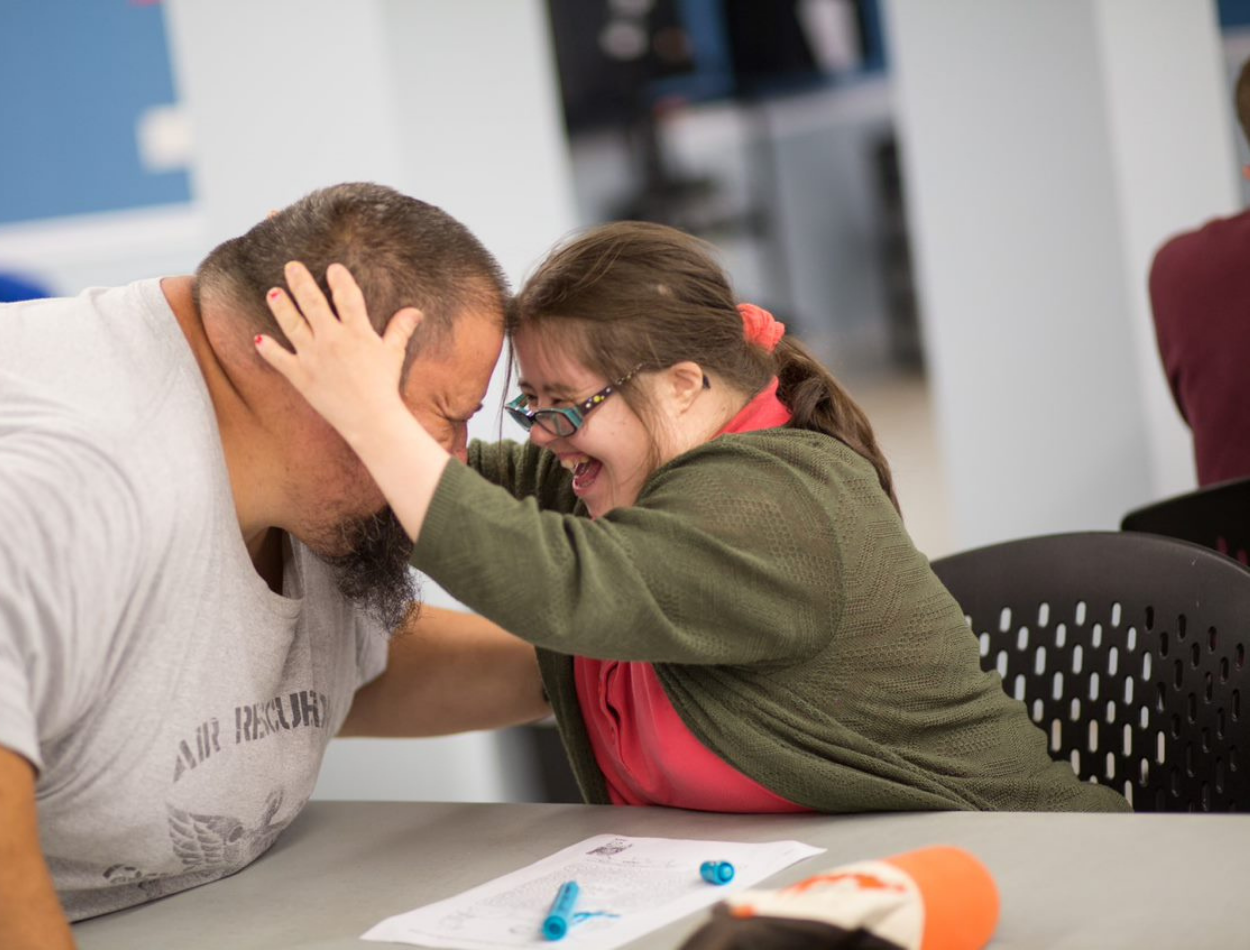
455 103
1049 148
1168 103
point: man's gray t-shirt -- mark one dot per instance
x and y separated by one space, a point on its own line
176 708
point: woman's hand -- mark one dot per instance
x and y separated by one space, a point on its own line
350 375
345 370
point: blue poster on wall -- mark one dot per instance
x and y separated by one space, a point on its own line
1234 14
81 82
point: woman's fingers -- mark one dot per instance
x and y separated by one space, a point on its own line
325 346
348 300
308 296
277 356
290 320
344 369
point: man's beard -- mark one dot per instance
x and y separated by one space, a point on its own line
374 573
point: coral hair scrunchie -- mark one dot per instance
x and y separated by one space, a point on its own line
759 326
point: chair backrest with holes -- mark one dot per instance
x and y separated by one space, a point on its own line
1129 650
1217 516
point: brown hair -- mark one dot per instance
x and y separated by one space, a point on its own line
401 251
645 295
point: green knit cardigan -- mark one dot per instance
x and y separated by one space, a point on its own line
795 628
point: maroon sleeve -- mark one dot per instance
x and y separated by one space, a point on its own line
1200 296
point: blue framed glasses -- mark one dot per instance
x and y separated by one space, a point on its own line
560 421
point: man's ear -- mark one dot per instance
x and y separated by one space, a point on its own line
684 382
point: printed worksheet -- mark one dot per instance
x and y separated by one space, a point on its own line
626 888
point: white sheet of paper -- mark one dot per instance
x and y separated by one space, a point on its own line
645 882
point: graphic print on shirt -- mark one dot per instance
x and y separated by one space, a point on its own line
303 708
207 843
208 846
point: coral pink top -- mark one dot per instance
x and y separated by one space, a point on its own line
646 753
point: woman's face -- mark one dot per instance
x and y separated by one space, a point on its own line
611 454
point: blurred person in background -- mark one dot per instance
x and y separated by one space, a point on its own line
1200 295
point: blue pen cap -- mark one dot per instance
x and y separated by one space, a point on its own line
560 917
555 927
716 872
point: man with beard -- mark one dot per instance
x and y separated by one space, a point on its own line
197 574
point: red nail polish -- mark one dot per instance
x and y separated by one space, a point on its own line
274 294
259 339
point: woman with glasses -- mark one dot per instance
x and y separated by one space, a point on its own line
701 539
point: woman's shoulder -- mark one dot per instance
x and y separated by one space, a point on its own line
803 452
803 474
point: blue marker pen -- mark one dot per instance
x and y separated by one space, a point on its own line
716 872
560 917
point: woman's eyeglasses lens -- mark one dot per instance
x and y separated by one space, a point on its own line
554 421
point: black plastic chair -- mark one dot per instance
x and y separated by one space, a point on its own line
1129 650
1217 516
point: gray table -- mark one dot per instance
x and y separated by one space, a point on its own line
1067 881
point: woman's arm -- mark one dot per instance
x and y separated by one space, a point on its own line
728 558
525 471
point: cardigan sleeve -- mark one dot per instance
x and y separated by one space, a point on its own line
729 557
524 470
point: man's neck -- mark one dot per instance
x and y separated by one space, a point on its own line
246 460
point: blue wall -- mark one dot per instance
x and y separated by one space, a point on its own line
1234 13
75 75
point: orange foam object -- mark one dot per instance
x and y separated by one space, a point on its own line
961 902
